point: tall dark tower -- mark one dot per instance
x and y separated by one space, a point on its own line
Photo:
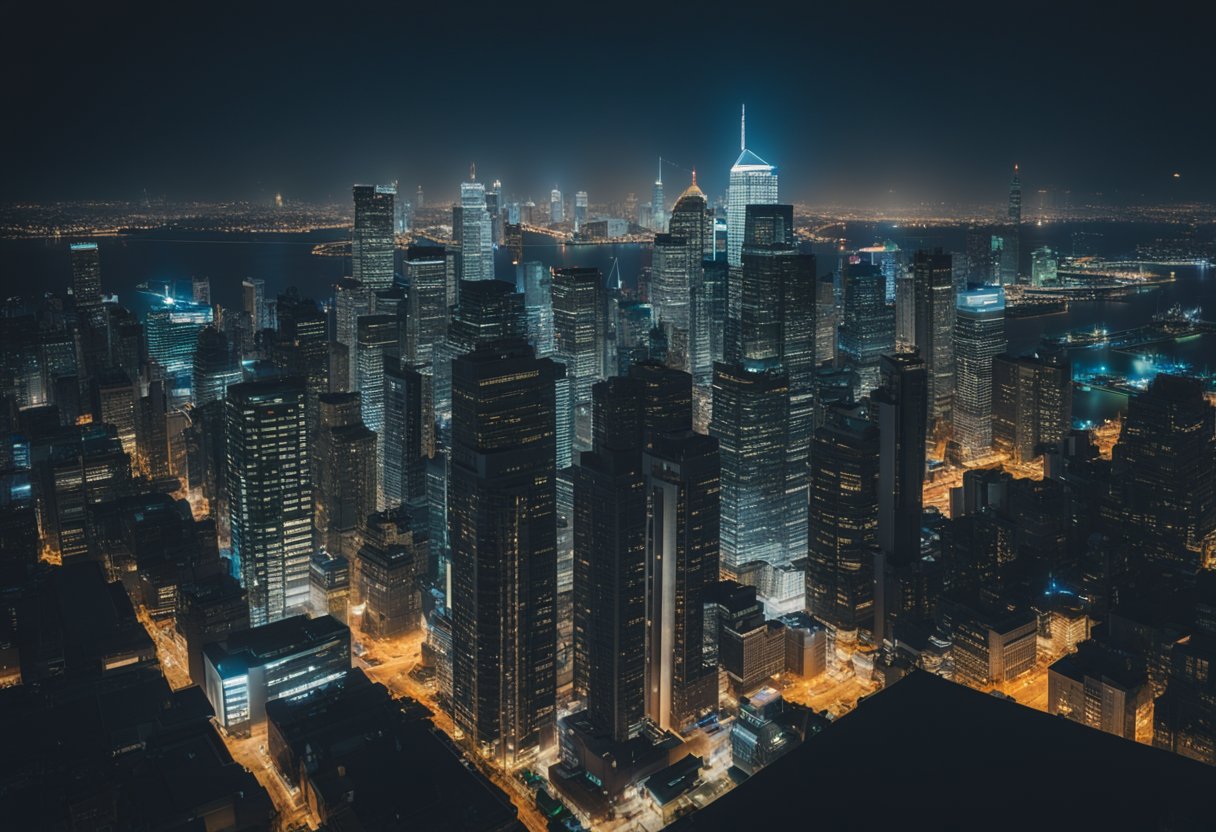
86 280
933 282
682 484
610 562
844 521
503 534
901 404
1015 198
372 252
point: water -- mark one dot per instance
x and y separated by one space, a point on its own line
284 260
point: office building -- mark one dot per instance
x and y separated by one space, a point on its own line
344 466
329 585
867 328
580 210
992 645
283 660
1031 403
389 571
577 297
979 337
473 233
753 181
1044 267
503 537
372 250
86 282
933 336
352 300
269 488
538 304
1102 687
426 320
403 435
844 522
682 476
172 329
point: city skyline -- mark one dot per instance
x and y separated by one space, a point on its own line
881 113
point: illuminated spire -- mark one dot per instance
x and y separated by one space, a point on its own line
472 171
694 177
743 129
659 181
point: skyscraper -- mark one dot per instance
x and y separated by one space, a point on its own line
378 341
351 301
474 233
580 209
670 291
692 222
426 321
979 337
270 495
86 281
576 300
538 302
844 521
503 533
753 181
933 274
403 436
172 329
253 297
682 492
610 562
372 258
1031 403
344 472
658 204
557 207
902 405
868 326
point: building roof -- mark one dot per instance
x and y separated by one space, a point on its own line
923 738
668 784
750 161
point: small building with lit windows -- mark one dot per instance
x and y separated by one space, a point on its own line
282 660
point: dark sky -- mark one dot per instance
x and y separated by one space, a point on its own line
855 102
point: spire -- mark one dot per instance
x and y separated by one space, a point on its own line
472 171
694 177
659 181
743 128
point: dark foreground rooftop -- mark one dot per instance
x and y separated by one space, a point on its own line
929 754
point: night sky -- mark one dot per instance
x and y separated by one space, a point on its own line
855 102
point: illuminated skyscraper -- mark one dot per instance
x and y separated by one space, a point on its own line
351 300
270 495
1044 267
503 533
403 435
979 337
692 222
1015 198
372 258
172 329
580 209
377 345
494 209
576 300
538 302
426 320
933 276
1031 403
557 207
753 181
474 233
86 280
658 204
670 293
868 326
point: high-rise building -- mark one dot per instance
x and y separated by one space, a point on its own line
494 209
372 251
1031 403
933 274
580 210
670 292
902 405
503 533
692 222
979 337
426 320
269 486
378 344
1168 454
681 472
214 367
750 416
473 233
609 595
557 207
867 329
253 299
403 435
825 321
753 181
86 281
419 198
844 522
344 472
1015 198
577 296
658 204
351 300
200 289
538 303
488 310
172 329
1044 267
